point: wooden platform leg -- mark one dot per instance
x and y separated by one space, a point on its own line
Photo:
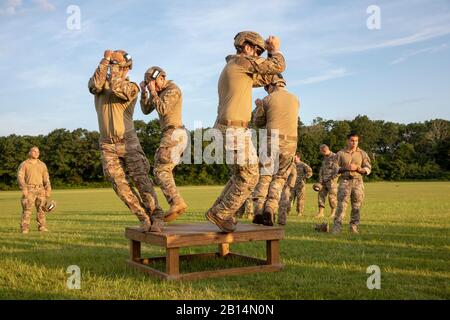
135 250
224 249
273 252
172 261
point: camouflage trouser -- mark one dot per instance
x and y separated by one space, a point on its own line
278 180
35 197
125 162
173 143
298 195
260 194
328 189
285 204
244 170
246 209
349 190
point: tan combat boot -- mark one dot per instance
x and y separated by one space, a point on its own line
320 213
25 231
43 229
333 213
354 229
145 225
226 224
177 208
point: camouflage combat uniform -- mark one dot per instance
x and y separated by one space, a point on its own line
33 179
122 154
328 176
246 210
304 172
241 73
285 203
351 186
278 111
168 104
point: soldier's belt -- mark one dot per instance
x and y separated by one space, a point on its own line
234 123
286 137
35 185
127 135
172 127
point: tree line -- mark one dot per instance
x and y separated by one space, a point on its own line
398 151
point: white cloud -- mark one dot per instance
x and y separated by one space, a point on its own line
410 54
45 4
11 7
420 36
328 75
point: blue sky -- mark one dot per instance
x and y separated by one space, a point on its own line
335 64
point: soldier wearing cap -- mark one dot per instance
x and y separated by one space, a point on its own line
304 172
328 176
122 156
34 181
243 71
278 113
165 97
353 164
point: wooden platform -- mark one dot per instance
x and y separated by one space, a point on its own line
176 236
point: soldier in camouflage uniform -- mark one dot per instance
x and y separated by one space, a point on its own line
285 203
278 113
246 210
328 176
123 159
304 172
353 164
34 181
243 71
165 98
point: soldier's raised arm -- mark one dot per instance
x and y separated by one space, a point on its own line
146 107
170 98
366 165
123 88
46 181
97 81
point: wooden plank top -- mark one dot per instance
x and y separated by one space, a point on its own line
198 234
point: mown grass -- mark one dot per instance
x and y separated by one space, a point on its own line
404 230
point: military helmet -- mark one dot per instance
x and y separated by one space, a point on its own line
251 37
153 73
122 59
317 186
49 205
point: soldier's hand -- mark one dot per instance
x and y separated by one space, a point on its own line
25 193
352 167
143 86
107 55
152 86
258 102
273 44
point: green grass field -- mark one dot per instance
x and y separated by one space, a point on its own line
404 230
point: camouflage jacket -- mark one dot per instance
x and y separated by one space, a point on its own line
329 169
304 172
